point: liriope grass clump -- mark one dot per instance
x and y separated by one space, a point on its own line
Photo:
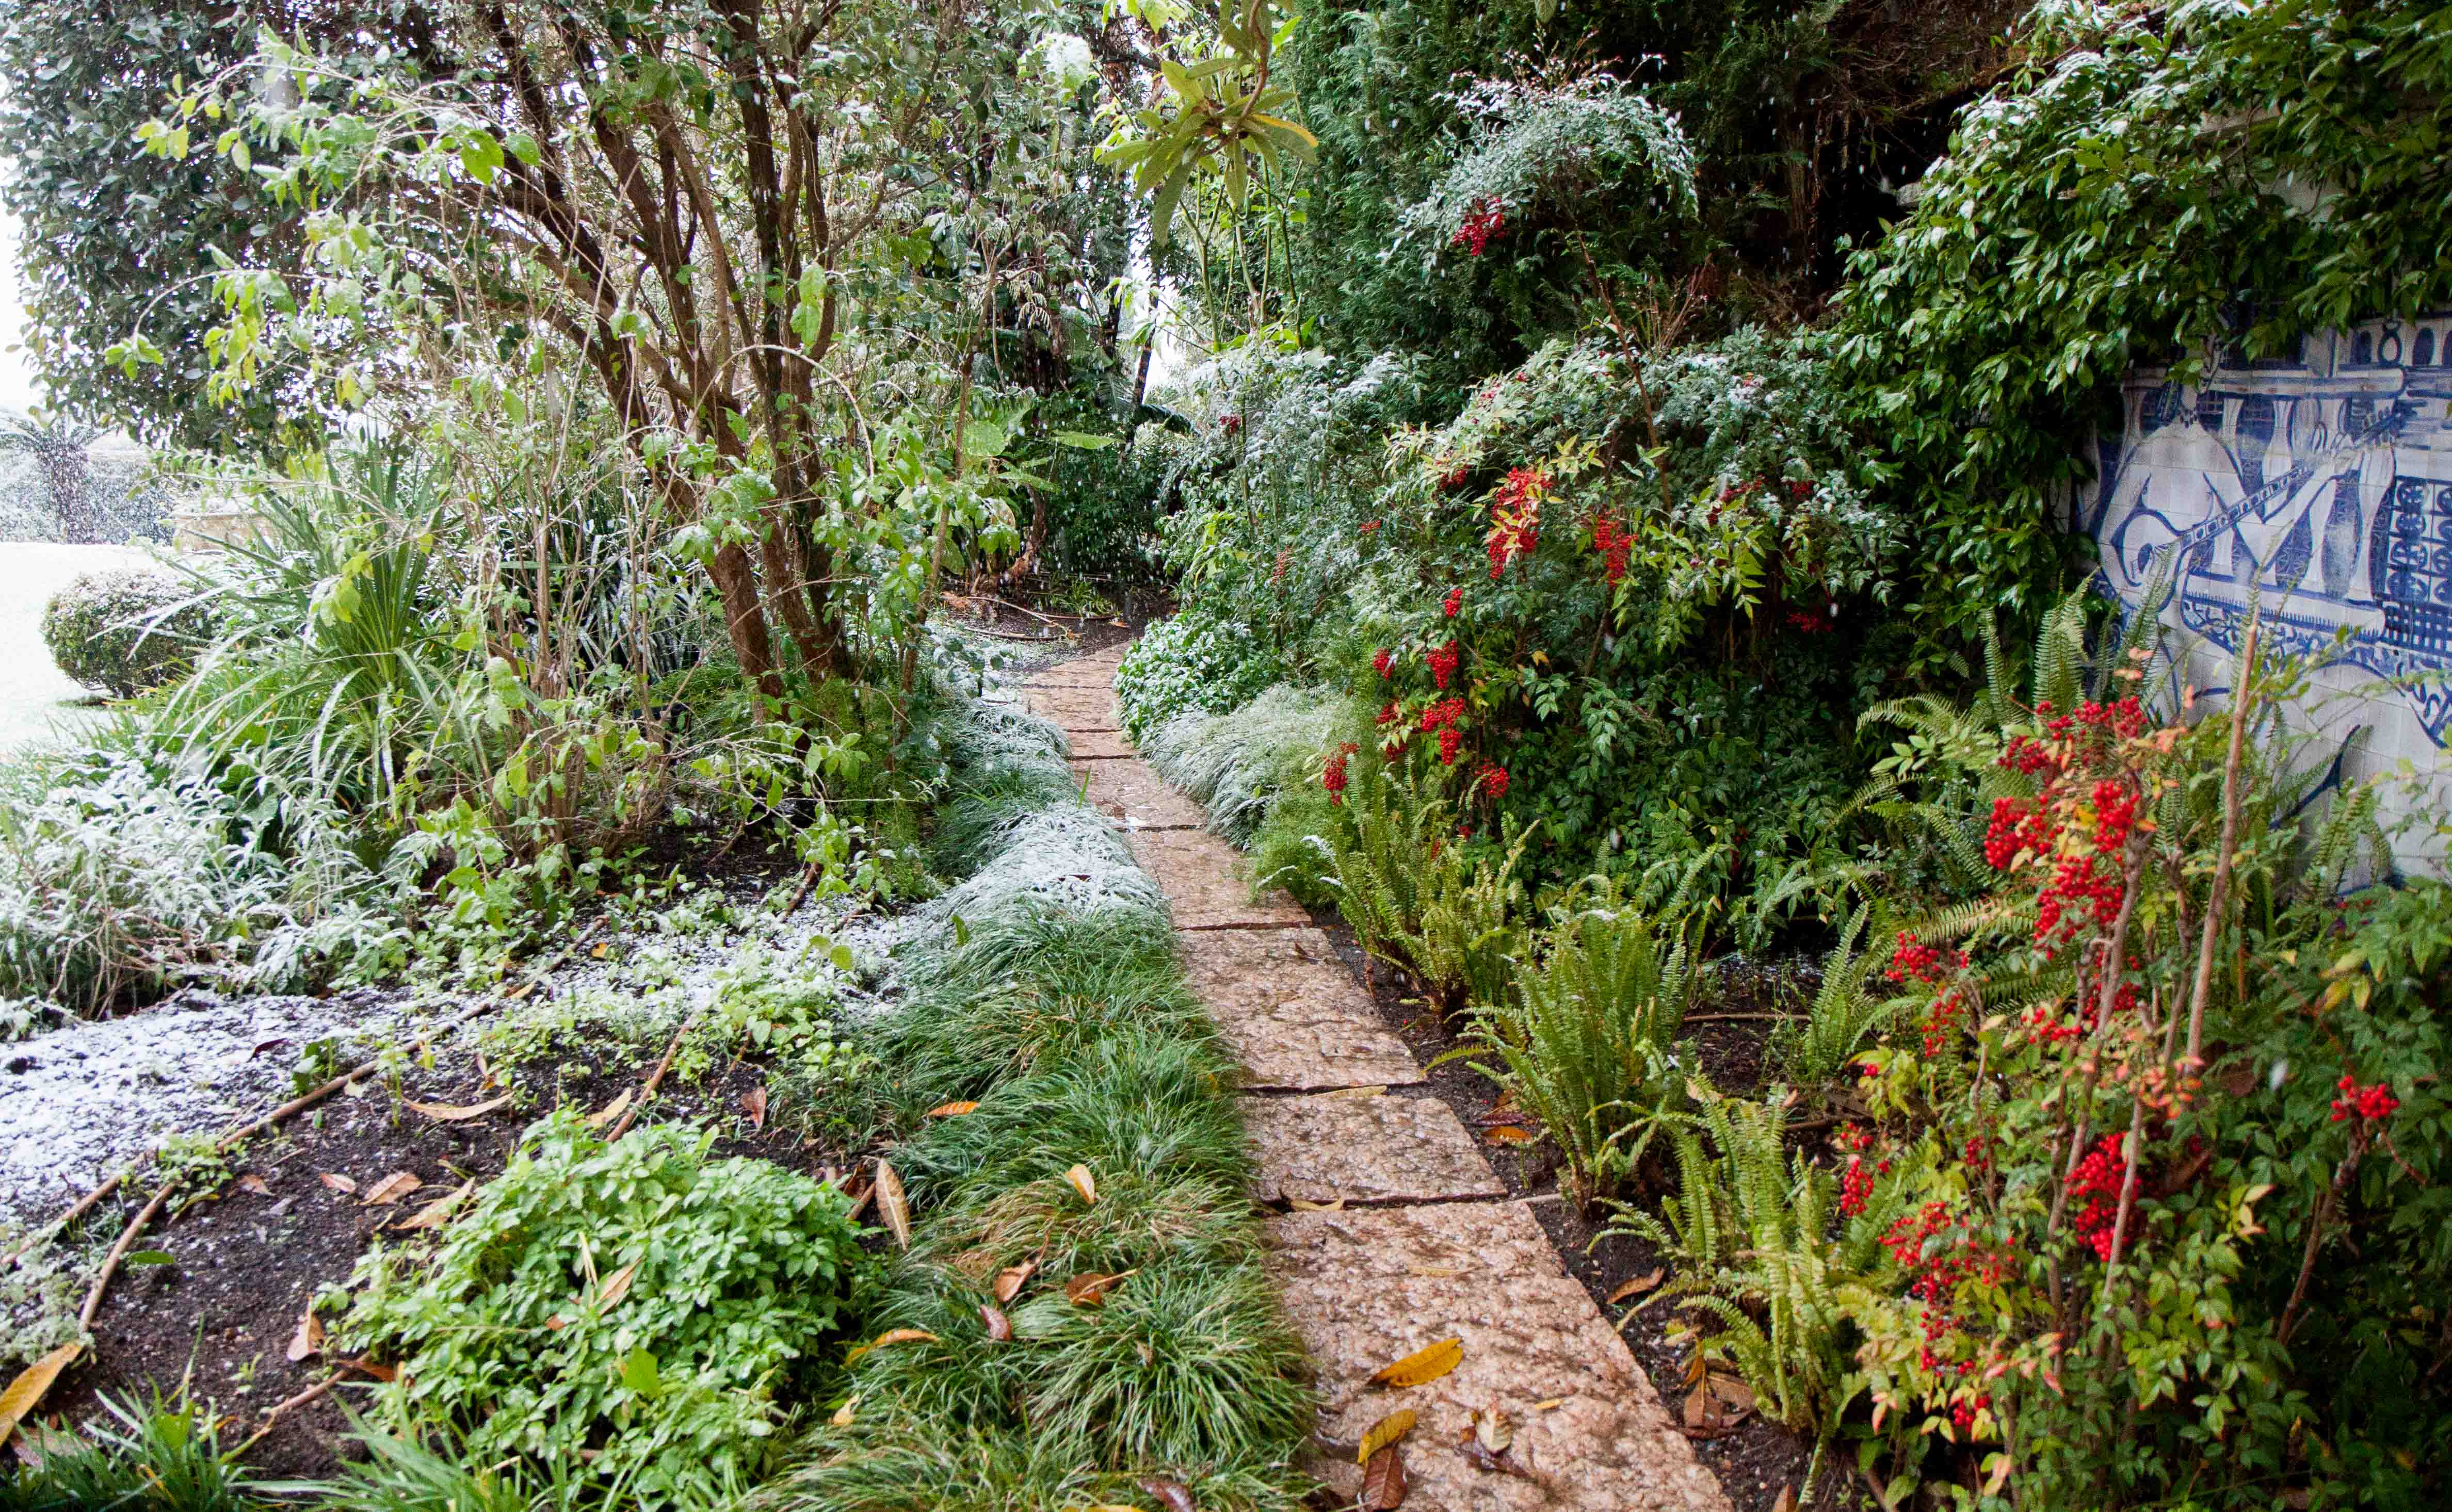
1243 764
1081 1312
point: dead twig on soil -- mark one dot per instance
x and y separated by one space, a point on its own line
654 1078
119 1253
272 1418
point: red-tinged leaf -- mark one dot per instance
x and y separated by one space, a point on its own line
952 1109
1010 1281
1510 1134
1090 1289
753 1101
369 1369
1383 1479
1639 1285
999 1326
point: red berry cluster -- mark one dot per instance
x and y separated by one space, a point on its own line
2096 1179
2373 1103
1371 527
2044 1027
1390 714
1613 542
1334 778
1385 662
1454 477
1442 715
1442 660
1486 219
1962 1416
2016 826
1805 623
2115 814
1454 603
1855 1187
2029 755
1936 1278
1231 422
2080 887
1925 963
1944 1021
1493 778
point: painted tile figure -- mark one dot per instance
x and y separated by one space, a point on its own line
2323 484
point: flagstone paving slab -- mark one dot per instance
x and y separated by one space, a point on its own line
1367 1287
1101 745
1296 1019
1208 881
1075 709
1130 792
1335 1146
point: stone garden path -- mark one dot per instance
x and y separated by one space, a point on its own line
1390 1232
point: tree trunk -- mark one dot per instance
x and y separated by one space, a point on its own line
745 619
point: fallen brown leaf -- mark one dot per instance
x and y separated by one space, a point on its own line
1303 1206
952 1109
454 1113
308 1340
436 1213
1787 1501
842 1414
1510 1134
1356 1092
369 1369
1422 1365
891 1204
611 1110
617 1285
1173 1495
999 1326
1639 1285
1383 1481
251 1181
337 1183
753 1101
891 1336
1009 1280
393 1188
1090 1289
26 1392
1084 1183
1733 1394
1442 1272
1383 1433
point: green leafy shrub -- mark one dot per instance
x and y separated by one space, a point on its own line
638 1301
1191 661
126 632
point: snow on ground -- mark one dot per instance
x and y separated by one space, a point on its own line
34 694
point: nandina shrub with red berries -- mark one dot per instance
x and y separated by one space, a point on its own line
2185 1239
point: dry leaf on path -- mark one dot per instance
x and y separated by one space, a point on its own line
1422 1364
1010 1281
952 1109
609 1111
393 1187
1302 1206
1084 1183
1091 1289
1639 1285
1173 1495
1383 1481
454 1113
26 1392
1349 1093
1436 1272
338 1183
1383 1433
1491 1430
999 1326
753 1101
308 1340
891 1204
436 1213
251 1181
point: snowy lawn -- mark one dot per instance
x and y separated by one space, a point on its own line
34 695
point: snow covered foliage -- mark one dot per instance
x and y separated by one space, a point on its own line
1239 762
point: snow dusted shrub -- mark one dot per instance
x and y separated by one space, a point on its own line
119 884
125 632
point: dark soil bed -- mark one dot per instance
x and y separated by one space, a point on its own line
245 1259
1758 1460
